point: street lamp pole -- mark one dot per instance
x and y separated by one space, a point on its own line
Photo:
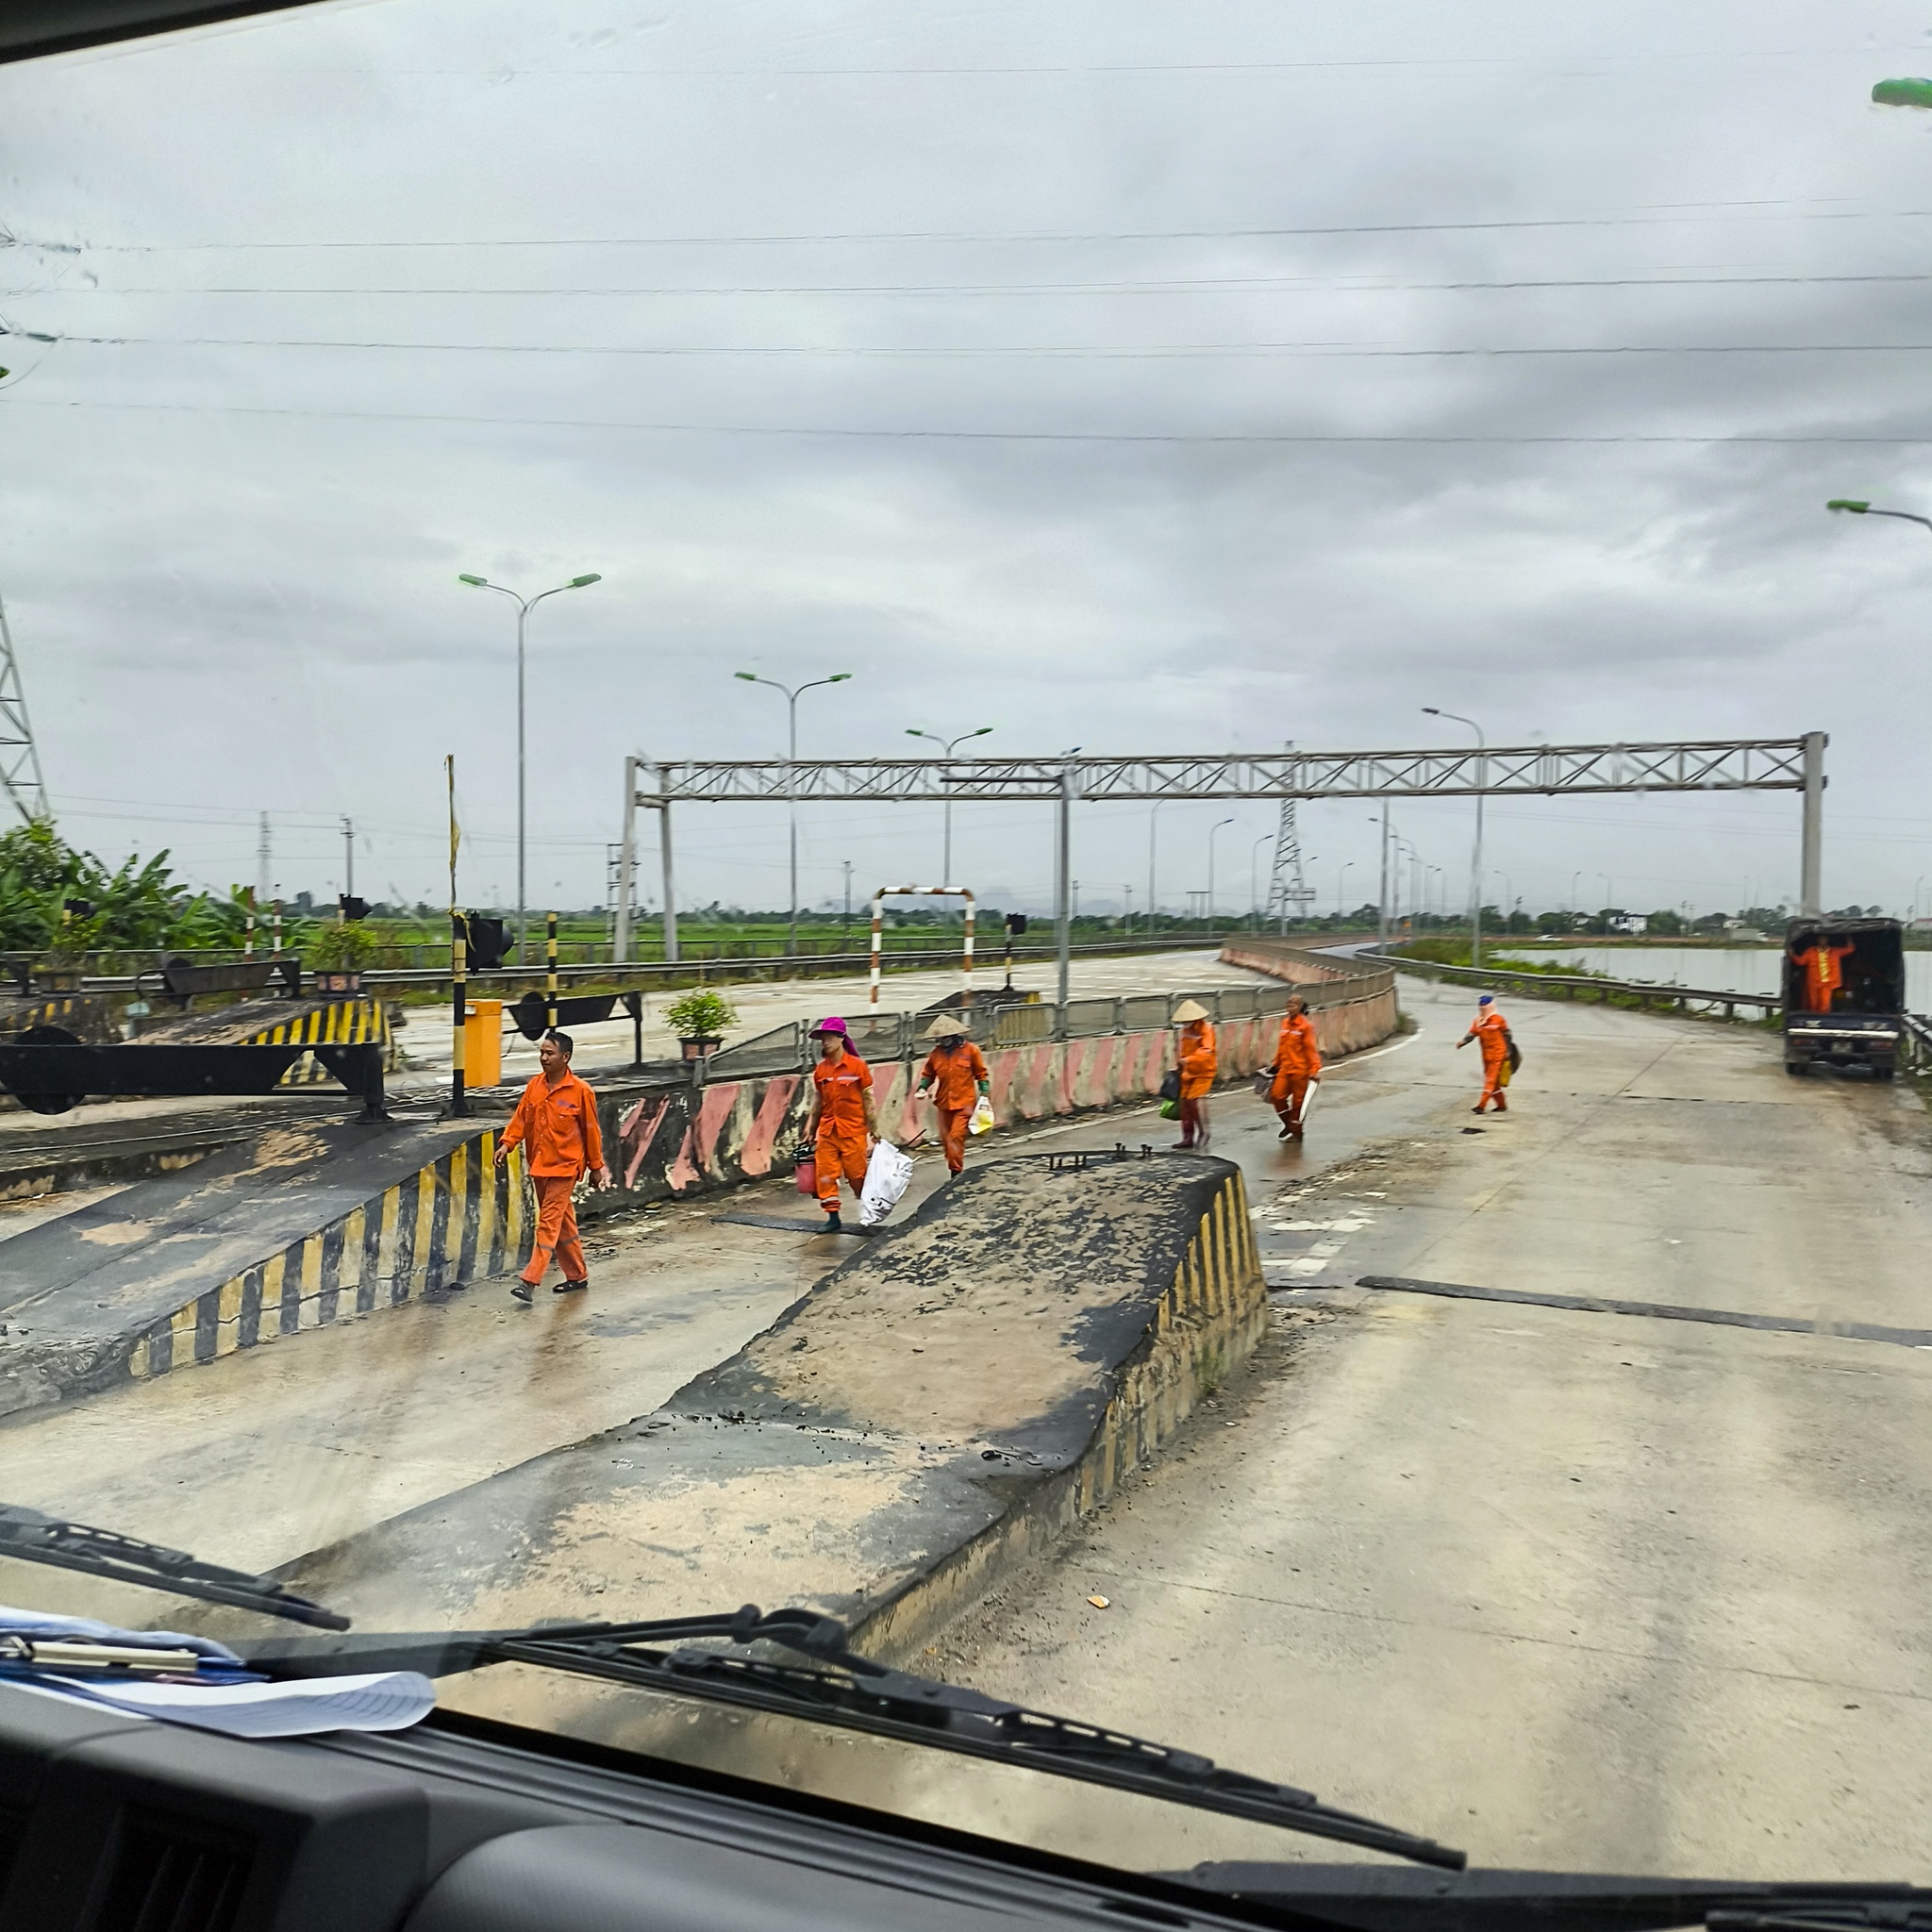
949 743
1213 830
793 694
1341 875
524 606
1476 863
1152 821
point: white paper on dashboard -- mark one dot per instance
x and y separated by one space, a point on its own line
381 1701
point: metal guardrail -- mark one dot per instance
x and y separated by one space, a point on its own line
879 1037
1648 993
647 974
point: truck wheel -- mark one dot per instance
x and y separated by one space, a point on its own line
1883 1072
1794 1067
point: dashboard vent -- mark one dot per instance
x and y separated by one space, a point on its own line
172 1875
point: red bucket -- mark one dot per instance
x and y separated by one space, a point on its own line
805 1176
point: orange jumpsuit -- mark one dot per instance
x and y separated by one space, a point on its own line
1198 1060
1493 1041
1297 1060
1823 975
954 1074
559 1122
840 1146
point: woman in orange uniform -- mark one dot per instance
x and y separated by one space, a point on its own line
841 1126
955 1072
1491 1033
1824 975
1196 1059
1297 1066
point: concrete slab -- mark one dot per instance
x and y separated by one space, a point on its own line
941 1403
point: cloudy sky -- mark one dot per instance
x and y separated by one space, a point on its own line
1114 374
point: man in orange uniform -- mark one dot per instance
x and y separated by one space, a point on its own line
1824 975
1491 1031
1297 1064
1196 1058
956 1071
841 1126
557 1116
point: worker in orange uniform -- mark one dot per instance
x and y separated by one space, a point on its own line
955 1072
1491 1032
1297 1066
1824 975
1196 1058
557 1116
841 1125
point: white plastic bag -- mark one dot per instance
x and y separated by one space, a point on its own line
982 1116
887 1177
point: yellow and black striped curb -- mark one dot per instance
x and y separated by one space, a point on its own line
457 1218
353 1022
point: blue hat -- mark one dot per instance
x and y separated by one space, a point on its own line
1489 999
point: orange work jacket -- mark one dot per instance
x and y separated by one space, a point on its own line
1298 1054
1198 1059
955 1076
560 1124
1823 975
1491 1036
842 1085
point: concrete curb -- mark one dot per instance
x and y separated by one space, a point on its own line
940 1408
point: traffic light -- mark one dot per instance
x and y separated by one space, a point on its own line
1016 924
352 907
487 941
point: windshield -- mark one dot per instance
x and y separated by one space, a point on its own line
1069 829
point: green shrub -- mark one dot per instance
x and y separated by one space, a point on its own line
700 1014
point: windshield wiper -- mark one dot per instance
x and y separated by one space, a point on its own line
37 1539
839 1687
1387 1898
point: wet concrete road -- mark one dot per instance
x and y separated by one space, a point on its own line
1569 1589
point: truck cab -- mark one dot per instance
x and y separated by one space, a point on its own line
1844 991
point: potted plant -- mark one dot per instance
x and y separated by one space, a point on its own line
338 953
699 1019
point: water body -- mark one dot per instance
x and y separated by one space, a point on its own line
1719 969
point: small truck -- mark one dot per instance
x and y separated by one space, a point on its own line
1844 993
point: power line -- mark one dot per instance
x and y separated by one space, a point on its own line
1672 217
1186 285
1192 438
1048 351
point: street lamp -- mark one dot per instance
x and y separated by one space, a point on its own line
946 879
792 694
1853 505
524 606
1153 824
1341 875
1476 863
1212 829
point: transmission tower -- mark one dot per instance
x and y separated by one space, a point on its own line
20 757
1289 893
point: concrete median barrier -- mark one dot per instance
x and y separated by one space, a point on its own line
945 1403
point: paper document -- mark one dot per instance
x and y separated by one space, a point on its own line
381 1701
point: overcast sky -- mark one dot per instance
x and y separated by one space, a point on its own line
1119 375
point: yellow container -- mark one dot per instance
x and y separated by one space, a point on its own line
483 1043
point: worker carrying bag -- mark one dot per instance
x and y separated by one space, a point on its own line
1170 1085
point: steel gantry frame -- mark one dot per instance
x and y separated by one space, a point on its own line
1542 770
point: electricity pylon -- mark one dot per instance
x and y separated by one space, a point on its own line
1289 893
20 758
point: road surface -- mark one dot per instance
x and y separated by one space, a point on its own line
1569 1589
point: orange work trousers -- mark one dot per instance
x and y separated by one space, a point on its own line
953 1134
1288 1093
839 1154
1494 1078
556 1229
